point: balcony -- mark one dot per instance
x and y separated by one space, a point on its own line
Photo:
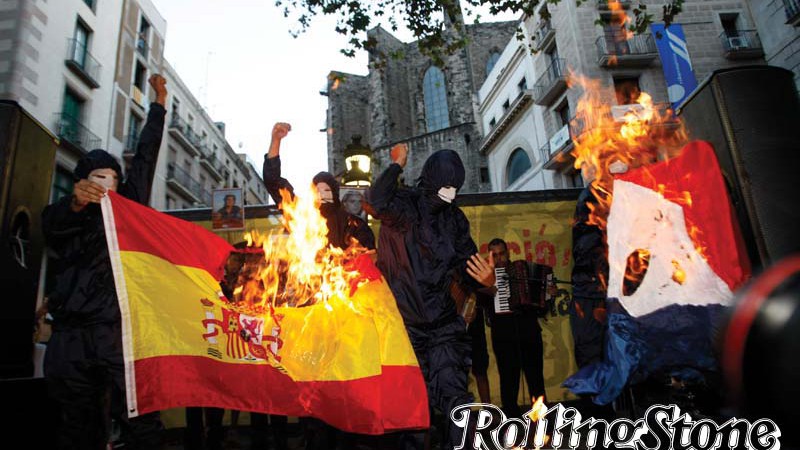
131 141
142 48
212 165
604 4
183 183
75 135
82 63
792 12
615 50
182 132
544 36
741 44
559 150
551 84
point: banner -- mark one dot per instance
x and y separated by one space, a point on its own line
675 61
348 362
540 232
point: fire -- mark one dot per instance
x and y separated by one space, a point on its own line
613 139
299 267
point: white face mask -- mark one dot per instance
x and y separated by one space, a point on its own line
104 177
447 193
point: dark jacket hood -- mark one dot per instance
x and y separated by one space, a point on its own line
96 159
443 168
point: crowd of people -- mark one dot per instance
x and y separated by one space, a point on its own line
423 245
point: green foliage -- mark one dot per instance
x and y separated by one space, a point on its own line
436 25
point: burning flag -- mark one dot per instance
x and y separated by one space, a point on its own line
675 258
345 359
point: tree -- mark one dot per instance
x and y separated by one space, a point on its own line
426 19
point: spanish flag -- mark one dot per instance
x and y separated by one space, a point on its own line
184 345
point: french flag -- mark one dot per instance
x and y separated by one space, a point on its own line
678 214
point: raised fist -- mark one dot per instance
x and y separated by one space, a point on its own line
399 154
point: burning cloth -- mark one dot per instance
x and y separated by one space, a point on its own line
347 362
675 259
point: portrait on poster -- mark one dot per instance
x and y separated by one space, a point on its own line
227 211
353 199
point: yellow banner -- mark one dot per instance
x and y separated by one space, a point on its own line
540 232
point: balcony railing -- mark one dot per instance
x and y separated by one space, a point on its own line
82 63
183 133
182 182
604 4
792 12
741 44
615 50
141 46
212 164
551 84
544 34
71 130
559 148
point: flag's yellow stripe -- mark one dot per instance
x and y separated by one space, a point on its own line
319 343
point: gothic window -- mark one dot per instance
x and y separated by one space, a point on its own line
437 115
492 61
518 164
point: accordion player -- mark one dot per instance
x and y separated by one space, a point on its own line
523 286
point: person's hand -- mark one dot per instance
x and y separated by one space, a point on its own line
280 130
399 154
85 192
159 85
481 270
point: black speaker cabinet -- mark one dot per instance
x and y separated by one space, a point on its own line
27 153
752 117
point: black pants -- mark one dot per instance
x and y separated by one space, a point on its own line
517 344
587 319
443 354
199 430
260 423
85 375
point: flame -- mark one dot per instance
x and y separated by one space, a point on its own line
679 275
613 139
299 267
538 408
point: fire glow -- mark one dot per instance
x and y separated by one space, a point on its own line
298 267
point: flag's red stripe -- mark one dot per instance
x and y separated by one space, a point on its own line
144 229
397 396
696 170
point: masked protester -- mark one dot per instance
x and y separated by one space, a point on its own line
84 365
424 243
342 226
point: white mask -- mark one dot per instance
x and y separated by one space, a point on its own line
447 193
104 177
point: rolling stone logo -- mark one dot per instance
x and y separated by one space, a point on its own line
663 427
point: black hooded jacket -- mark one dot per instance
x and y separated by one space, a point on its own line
84 292
423 240
590 268
341 224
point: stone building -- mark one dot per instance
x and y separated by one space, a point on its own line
411 100
526 107
778 25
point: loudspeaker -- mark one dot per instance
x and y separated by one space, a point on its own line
751 115
27 154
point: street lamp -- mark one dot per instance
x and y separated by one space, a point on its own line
358 162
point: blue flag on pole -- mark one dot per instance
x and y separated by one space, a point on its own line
675 60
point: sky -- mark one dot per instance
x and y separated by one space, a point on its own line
240 61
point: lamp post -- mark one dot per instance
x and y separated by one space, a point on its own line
358 163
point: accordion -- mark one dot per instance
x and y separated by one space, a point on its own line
523 286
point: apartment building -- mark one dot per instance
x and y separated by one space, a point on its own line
526 108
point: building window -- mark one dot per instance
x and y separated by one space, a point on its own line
89 3
484 174
518 164
437 115
627 90
170 202
139 81
730 24
176 106
81 48
523 84
143 37
62 184
563 114
575 179
492 123
490 63
506 105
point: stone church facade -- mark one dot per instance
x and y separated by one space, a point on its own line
410 100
